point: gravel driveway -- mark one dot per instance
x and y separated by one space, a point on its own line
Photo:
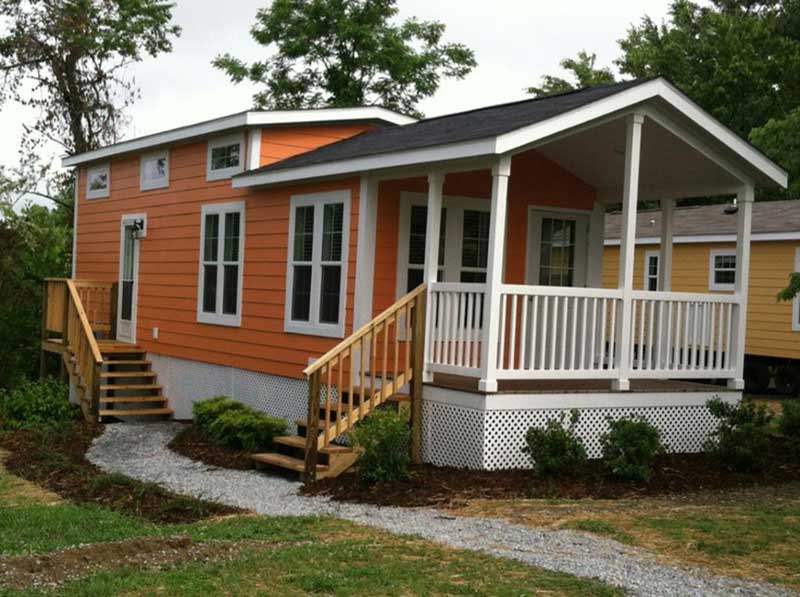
140 451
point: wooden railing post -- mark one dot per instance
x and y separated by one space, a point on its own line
43 335
312 428
94 404
418 340
112 311
65 332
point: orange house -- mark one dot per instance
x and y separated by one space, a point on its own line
343 257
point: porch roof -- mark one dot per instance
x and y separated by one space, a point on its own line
513 127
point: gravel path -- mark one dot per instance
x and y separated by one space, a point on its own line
139 451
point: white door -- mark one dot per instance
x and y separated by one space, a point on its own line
128 278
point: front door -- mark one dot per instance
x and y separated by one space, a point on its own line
128 278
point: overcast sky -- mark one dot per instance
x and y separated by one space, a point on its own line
515 43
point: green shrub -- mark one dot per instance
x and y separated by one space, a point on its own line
236 425
36 403
555 449
630 447
385 439
742 438
789 421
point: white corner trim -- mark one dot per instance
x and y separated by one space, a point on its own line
242 120
796 301
254 149
98 193
221 173
75 224
313 327
712 254
149 185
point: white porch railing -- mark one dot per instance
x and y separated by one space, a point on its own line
549 332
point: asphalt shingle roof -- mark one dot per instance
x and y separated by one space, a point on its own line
452 128
768 216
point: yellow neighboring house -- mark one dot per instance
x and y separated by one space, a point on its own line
704 260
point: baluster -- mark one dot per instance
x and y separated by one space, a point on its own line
603 333
384 381
534 352
327 403
574 339
728 326
512 333
612 347
502 341
469 325
523 334
592 333
642 313
542 362
438 324
551 363
453 326
461 325
339 390
649 364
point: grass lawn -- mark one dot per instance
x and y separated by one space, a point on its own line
294 556
753 533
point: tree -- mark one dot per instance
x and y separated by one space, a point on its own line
344 53
584 73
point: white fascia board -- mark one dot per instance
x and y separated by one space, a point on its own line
710 238
236 121
438 153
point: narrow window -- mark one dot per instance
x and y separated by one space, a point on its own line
219 294
154 171
225 157
97 182
722 270
418 223
316 273
651 270
475 246
557 263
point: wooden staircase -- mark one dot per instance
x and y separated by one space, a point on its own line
369 368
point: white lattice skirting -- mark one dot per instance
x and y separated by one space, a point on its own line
465 437
187 381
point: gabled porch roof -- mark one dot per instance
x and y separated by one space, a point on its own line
582 130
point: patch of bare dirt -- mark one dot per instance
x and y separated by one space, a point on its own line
17 491
194 444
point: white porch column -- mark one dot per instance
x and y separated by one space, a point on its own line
494 274
433 225
365 251
597 234
744 200
627 249
665 255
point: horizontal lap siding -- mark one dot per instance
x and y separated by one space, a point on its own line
168 266
281 143
769 323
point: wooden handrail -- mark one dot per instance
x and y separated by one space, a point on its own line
84 320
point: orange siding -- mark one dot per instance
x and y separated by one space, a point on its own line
169 256
281 143
769 323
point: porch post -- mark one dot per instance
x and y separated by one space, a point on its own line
627 249
494 274
665 255
597 229
433 225
744 199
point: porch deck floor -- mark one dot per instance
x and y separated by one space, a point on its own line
573 386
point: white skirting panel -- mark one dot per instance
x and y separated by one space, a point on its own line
458 429
187 381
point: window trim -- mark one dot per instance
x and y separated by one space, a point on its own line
712 255
98 193
796 301
647 276
313 327
219 318
223 173
145 185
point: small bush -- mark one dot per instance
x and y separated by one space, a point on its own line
236 425
36 403
555 449
789 421
742 438
630 447
385 439
205 412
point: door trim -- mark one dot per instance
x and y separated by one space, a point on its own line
585 215
127 219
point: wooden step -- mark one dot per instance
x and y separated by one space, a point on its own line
143 362
126 374
295 441
142 386
135 412
283 461
112 399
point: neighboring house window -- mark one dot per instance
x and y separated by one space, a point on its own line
98 182
154 171
722 269
316 277
219 298
796 302
651 270
225 157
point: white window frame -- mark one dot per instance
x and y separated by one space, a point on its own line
796 301
712 255
454 233
98 193
219 318
313 327
149 185
647 275
222 173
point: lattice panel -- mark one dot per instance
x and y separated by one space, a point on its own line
282 397
452 436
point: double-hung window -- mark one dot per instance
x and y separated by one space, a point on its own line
651 270
722 269
219 298
225 157
316 277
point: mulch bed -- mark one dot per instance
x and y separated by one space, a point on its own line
54 457
452 488
193 443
